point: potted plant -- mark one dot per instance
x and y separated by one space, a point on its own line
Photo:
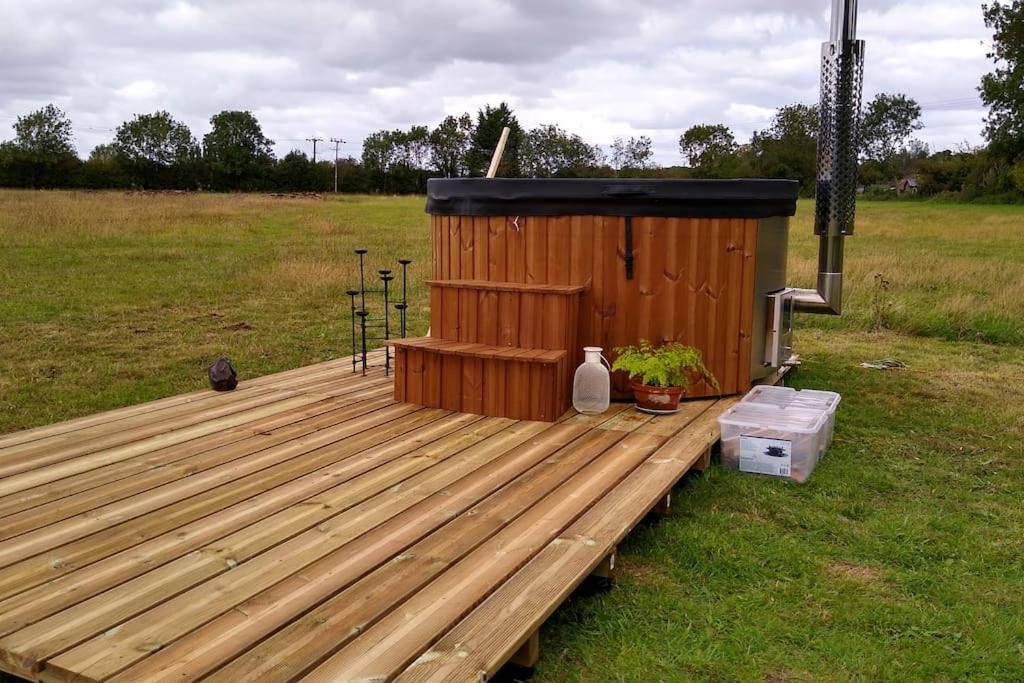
660 375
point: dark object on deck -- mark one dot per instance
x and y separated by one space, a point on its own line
223 376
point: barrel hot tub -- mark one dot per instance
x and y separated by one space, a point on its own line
552 265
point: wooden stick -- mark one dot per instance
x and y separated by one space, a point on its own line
498 151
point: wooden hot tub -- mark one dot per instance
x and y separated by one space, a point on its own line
527 272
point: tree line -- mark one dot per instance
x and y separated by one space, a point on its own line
156 151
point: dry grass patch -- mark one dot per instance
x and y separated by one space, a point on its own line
309 274
646 573
859 573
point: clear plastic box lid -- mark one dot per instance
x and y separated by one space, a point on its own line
768 416
786 396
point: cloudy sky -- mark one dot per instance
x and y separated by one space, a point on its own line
602 68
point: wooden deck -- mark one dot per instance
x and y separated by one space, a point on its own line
308 526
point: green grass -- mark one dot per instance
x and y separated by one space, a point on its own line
109 299
900 559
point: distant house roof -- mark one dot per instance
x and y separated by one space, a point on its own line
907 184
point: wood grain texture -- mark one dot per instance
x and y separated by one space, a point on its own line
500 381
477 646
360 539
494 323
692 283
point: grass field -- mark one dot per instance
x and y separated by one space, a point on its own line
901 559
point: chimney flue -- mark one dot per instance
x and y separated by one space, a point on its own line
842 74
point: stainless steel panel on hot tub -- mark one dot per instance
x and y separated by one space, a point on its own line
769 277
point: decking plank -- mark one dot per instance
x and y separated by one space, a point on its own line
190 465
261 521
112 650
41 452
86 457
667 425
331 532
456 521
482 642
179 502
73 556
271 425
395 641
245 386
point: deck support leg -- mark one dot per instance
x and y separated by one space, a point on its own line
704 462
603 576
664 506
528 655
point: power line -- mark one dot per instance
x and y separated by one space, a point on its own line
337 142
314 140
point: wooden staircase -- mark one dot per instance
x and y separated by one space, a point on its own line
503 349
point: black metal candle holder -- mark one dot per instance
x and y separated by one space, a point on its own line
382 321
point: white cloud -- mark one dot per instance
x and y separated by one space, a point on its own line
597 67
180 15
140 90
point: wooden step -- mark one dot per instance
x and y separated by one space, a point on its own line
451 348
511 314
500 381
505 313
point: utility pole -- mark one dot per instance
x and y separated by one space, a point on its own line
336 141
314 140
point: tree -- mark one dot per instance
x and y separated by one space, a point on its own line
888 123
489 123
379 152
549 151
414 148
237 150
632 154
788 147
449 143
42 153
396 160
45 134
293 172
155 139
107 152
709 149
103 169
1003 89
155 149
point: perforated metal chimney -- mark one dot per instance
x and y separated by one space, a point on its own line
842 75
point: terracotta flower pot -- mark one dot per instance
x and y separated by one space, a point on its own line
662 399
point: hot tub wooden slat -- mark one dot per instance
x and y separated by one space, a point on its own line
508 286
704 298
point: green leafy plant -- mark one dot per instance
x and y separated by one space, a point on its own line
668 365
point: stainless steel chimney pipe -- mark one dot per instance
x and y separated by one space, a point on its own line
842 74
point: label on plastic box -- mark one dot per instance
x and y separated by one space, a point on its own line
765 456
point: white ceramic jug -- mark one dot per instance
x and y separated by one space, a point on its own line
592 386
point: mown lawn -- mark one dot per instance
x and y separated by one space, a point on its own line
901 559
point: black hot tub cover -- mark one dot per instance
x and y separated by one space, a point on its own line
743 198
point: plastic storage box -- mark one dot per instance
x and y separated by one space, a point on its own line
781 441
798 398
